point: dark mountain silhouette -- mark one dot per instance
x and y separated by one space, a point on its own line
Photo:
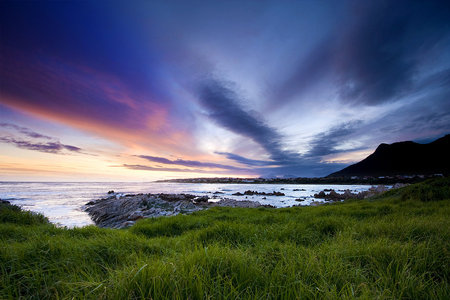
403 158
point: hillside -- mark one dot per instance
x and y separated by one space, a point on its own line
403 158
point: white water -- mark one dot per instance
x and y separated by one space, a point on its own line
61 202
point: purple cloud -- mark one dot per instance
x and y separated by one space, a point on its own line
49 147
222 104
247 161
188 163
149 168
40 142
25 131
374 56
326 142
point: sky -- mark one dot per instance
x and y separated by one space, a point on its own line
147 90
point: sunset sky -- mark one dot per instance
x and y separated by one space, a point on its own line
146 90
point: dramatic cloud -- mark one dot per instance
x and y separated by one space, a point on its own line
420 120
247 161
222 105
304 169
375 55
71 63
187 163
280 83
325 143
202 171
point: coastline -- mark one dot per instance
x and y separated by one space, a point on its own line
62 202
354 180
392 246
118 211
121 211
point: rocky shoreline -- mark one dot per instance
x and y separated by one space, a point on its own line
120 211
332 195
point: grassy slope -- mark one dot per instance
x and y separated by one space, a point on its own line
396 246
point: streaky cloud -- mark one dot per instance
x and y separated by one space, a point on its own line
374 56
25 131
222 105
39 142
187 163
47 147
247 161
164 169
325 143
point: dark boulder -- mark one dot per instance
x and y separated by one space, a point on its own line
201 199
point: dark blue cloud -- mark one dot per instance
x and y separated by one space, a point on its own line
165 169
420 120
247 161
188 163
78 31
374 56
223 107
103 65
437 81
325 143
304 169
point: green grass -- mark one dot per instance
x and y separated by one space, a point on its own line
390 247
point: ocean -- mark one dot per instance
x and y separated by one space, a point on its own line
62 202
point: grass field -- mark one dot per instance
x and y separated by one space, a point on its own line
390 247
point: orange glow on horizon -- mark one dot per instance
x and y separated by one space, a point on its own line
165 139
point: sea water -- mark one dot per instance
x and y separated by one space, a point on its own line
62 202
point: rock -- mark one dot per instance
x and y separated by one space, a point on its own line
380 189
119 211
334 196
5 202
252 193
122 212
176 197
277 194
297 190
110 192
136 216
399 185
347 194
127 224
201 199
268 206
215 193
300 200
236 203
321 194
